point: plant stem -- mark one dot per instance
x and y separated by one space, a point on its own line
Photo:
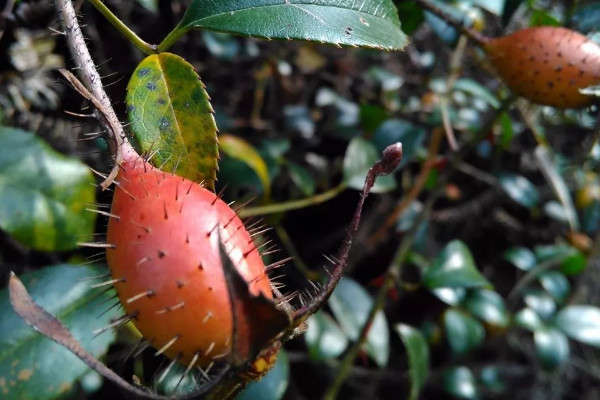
294 204
391 276
171 38
472 34
92 81
124 29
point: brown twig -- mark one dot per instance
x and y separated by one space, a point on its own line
92 83
472 34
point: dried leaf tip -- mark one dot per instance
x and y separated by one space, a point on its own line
392 156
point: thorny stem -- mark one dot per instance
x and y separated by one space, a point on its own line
391 276
471 33
92 81
124 29
432 153
392 155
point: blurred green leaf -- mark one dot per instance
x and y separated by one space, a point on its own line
510 6
397 130
351 304
488 306
492 380
324 338
359 158
150 5
273 385
33 367
302 178
477 90
493 6
581 323
540 302
551 347
520 189
463 332
371 116
550 170
221 45
460 383
528 319
175 383
411 15
556 284
43 194
445 31
454 267
541 17
450 296
371 24
172 118
239 149
571 260
508 131
417 352
587 17
521 257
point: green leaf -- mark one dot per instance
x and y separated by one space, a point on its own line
43 194
150 5
463 332
488 306
556 284
273 385
371 24
460 382
541 302
417 352
324 338
173 383
397 130
454 268
302 178
550 171
528 319
551 347
34 367
581 323
360 156
520 189
587 17
351 304
171 118
239 149
572 261
477 90
521 257
510 6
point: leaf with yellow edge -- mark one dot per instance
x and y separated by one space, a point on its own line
172 118
243 151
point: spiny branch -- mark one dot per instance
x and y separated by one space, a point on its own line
92 82
392 155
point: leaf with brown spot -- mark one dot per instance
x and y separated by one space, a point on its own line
172 118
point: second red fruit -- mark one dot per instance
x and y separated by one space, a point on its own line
547 65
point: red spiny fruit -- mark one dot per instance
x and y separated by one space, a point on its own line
166 262
547 65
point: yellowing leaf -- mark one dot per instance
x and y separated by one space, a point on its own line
172 119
